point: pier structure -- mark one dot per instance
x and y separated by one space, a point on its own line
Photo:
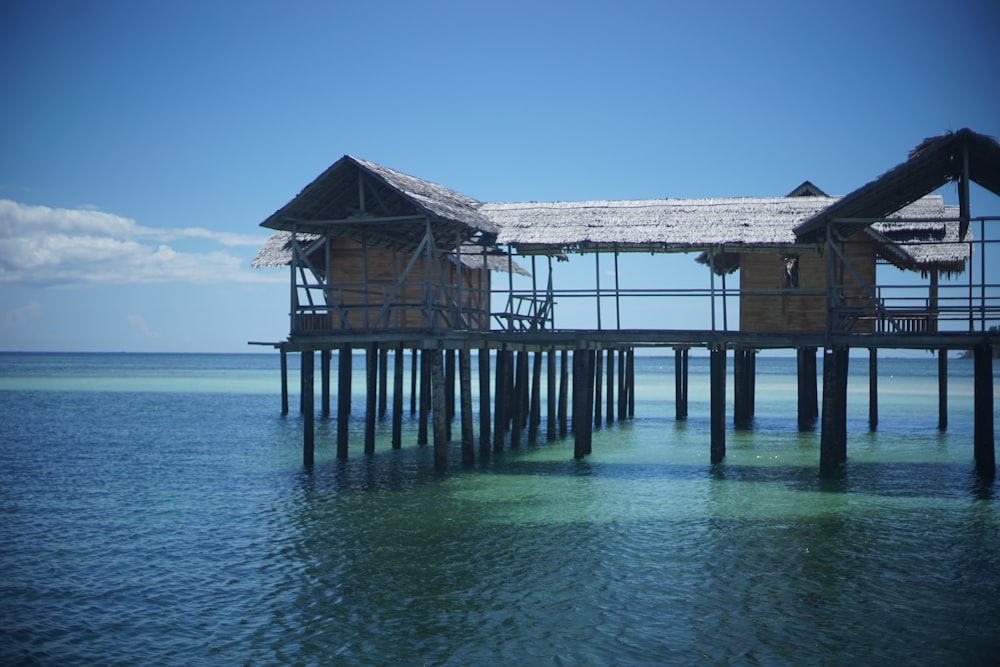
389 263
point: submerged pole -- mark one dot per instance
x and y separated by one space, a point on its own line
872 388
484 401
680 383
324 369
611 387
343 399
563 390
371 395
833 437
942 389
983 436
308 432
465 405
535 409
439 400
397 398
551 396
718 403
284 379
808 400
500 404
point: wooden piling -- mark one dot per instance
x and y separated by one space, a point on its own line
872 388
717 368
343 399
424 399
484 402
439 409
499 398
397 398
324 370
610 418
449 386
517 402
598 383
308 426
465 405
563 390
680 383
808 402
833 438
284 379
383 382
414 370
983 436
742 388
551 396
371 395
630 381
942 389
622 389
583 380
535 409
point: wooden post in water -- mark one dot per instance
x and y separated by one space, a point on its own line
551 396
465 403
284 379
717 367
598 382
425 395
324 370
742 388
499 401
414 369
808 399
611 387
449 386
680 383
983 436
440 409
942 389
833 437
563 390
343 399
535 410
371 395
383 382
308 432
630 381
622 388
397 398
516 400
582 400
873 388
484 401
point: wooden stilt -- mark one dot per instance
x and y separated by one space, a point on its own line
308 431
983 436
563 391
808 406
465 402
752 380
741 388
383 381
517 403
680 383
552 396
425 396
449 386
610 417
414 370
718 403
581 398
397 398
484 402
622 391
324 371
535 409
833 438
343 399
942 390
873 388
589 382
500 403
371 395
598 383
440 409
630 381
284 379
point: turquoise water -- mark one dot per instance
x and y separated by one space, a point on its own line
154 510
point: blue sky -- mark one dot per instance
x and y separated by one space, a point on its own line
143 142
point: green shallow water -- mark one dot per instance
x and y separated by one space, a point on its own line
154 510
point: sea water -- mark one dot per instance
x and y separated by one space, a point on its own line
154 510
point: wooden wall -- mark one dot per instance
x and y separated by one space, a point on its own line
792 310
362 280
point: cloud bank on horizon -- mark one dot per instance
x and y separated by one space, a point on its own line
43 246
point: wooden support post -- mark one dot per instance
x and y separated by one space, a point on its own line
308 432
718 403
484 402
752 380
465 402
611 387
983 436
517 400
449 387
741 388
535 409
833 438
590 382
622 391
343 399
551 396
630 381
598 383
582 420
425 396
440 409
500 402
681 383
873 388
808 405
414 369
324 370
383 382
371 395
397 398
942 389
284 379
563 390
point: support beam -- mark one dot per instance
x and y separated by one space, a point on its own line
343 399
308 430
942 389
611 387
717 363
808 405
465 403
438 399
383 381
484 402
742 387
535 409
500 402
284 379
324 366
680 383
873 388
397 398
983 436
552 396
833 438
563 390
630 381
371 395
598 383
425 396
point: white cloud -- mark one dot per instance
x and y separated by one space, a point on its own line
57 246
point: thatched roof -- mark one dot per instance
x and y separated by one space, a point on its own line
277 252
923 246
935 162
361 200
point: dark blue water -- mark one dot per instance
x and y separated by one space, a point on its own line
154 510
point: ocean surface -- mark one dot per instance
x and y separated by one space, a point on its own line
154 510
